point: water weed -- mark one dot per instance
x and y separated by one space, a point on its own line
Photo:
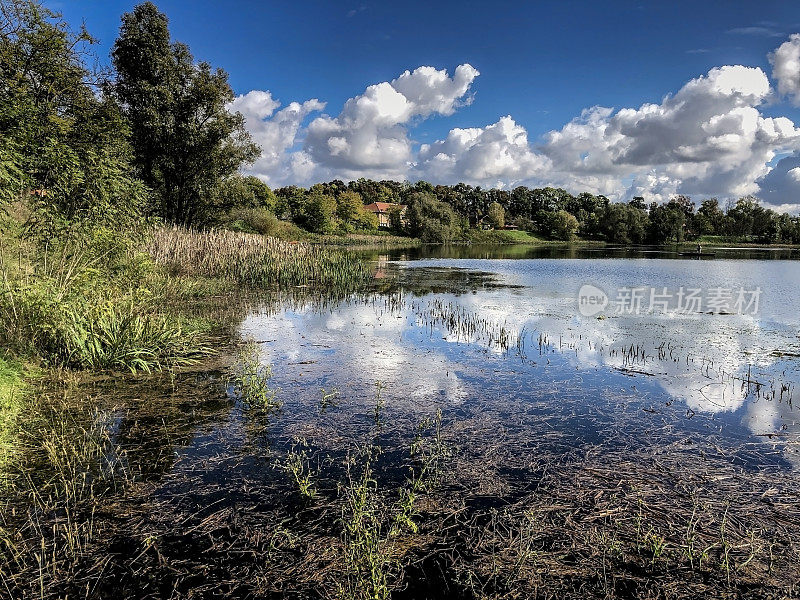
250 379
330 399
298 465
65 460
378 532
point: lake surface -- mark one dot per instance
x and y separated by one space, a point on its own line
504 340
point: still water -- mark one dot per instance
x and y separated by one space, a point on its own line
498 337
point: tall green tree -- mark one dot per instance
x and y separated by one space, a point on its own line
186 141
319 211
624 223
667 223
61 137
431 220
497 215
709 219
561 225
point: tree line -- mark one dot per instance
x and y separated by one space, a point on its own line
443 213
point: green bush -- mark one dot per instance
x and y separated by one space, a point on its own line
261 220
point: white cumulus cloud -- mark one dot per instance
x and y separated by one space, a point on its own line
497 155
786 68
780 188
276 133
709 138
370 136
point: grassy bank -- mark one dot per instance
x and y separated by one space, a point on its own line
111 300
726 240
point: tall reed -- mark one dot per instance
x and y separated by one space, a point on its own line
256 261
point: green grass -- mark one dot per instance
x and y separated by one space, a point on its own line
11 380
93 302
507 236
523 237
12 388
739 240
382 239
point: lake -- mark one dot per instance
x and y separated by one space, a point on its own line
436 339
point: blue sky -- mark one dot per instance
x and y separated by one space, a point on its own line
542 63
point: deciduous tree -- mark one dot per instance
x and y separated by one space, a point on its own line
186 141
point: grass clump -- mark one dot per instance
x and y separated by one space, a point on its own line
119 336
85 304
256 261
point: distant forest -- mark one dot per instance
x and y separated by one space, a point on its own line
438 213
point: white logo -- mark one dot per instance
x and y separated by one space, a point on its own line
591 300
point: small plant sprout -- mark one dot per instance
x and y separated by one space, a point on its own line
298 465
330 399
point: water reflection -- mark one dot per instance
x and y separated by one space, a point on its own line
523 251
493 333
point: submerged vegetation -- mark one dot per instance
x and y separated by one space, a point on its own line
65 460
250 379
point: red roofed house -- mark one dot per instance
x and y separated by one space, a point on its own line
382 209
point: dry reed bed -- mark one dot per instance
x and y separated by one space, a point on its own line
256 261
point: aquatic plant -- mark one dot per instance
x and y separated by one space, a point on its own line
65 461
250 378
256 261
329 399
298 465
376 529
